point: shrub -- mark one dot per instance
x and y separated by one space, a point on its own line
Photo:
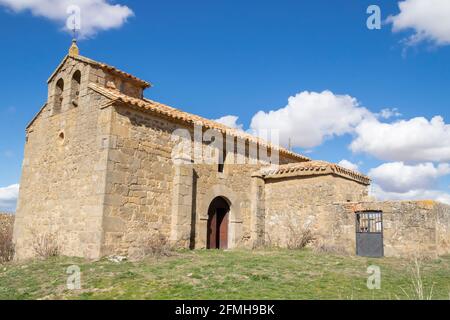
6 242
153 245
299 238
158 245
45 245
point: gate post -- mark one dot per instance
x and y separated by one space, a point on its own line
181 225
257 216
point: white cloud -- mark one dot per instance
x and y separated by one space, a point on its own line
349 165
398 177
429 19
230 121
389 113
8 197
96 15
420 194
416 139
311 117
399 181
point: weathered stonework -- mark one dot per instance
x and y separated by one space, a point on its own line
308 203
410 227
101 175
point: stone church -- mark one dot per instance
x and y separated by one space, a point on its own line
100 173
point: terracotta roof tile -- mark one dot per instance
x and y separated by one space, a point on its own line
104 66
312 168
112 69
159 108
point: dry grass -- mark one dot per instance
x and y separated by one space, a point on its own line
418 290
216 274
320 246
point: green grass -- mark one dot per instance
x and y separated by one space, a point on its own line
269 274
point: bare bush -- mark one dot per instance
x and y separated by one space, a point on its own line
298 238
45 245
289 234
6 243
153 245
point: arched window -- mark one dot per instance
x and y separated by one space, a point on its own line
58 96
75 88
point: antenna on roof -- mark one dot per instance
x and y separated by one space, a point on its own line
73 23
74 51
74 31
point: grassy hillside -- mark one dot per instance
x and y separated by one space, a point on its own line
274 274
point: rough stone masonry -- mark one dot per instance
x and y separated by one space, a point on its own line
100 175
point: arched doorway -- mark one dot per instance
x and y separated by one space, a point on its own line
218 217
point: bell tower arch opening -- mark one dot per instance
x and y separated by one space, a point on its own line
75 88
58 99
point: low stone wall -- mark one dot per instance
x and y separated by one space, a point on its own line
409 227
311 203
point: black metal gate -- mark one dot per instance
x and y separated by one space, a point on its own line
369 234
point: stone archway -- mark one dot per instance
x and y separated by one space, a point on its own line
234 216
218 224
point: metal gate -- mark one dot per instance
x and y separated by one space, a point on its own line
369 234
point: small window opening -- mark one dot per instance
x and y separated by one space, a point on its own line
75 89
58 96
222 160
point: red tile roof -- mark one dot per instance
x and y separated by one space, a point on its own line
159 108
312 168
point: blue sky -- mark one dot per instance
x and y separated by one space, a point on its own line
229 57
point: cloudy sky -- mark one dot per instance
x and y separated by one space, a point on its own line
372 100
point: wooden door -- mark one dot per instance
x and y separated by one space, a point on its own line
217 235
223 229
212 231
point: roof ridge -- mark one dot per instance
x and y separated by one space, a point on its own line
102 65
150 105
313 167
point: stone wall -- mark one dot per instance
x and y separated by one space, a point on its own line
322 205
139 181
100 177
410 227
63 176
442 228
293 205
146 192
234 185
